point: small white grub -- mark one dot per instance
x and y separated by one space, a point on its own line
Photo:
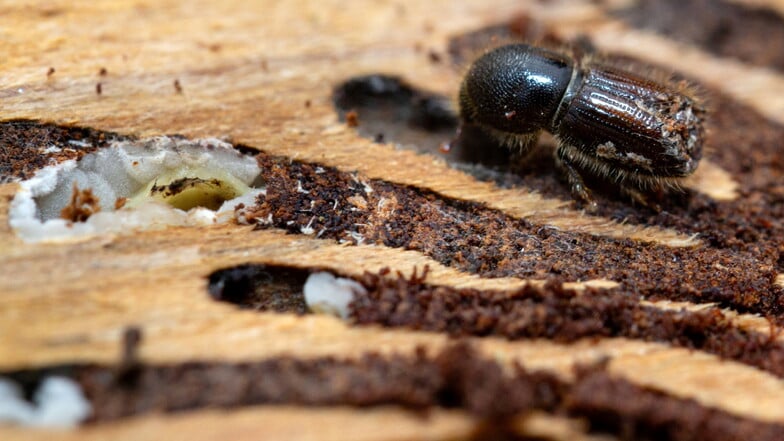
326 294
58 403
162 181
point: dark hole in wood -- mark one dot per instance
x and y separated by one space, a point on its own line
261 287
385 108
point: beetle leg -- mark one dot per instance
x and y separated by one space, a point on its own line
640 198
448 146
568 167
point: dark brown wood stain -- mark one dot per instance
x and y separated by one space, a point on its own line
753 34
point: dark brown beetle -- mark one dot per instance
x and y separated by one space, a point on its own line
612 123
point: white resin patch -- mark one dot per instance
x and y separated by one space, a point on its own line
324 293
58 402
126 171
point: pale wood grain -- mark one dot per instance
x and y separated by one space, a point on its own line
70 302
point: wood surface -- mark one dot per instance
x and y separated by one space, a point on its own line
246 69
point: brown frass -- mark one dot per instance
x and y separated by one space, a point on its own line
81 206
558 314
476 239
550 312
456 377
23 145
637 413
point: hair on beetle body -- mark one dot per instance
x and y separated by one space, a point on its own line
639 132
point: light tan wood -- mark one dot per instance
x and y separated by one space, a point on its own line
325 424
247 68
273 423
228 93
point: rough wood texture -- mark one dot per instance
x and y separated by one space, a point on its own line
246 70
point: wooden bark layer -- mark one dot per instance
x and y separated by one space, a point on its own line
261 74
